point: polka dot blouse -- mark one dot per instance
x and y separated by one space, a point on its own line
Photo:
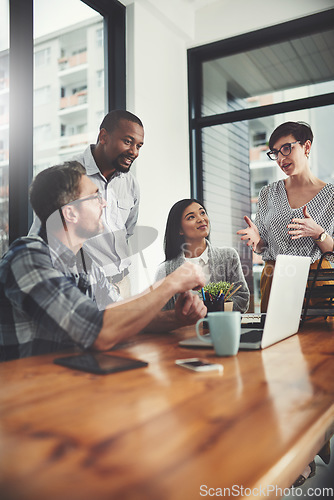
274 214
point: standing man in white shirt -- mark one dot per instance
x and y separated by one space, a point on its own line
108 164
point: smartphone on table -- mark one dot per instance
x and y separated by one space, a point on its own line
199 365
99 363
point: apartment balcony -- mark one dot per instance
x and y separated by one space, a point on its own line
70 62
73 141
258 153
74 100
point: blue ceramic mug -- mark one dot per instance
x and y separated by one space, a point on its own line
225 330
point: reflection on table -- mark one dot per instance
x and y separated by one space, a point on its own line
163 432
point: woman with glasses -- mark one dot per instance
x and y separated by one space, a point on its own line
295 216
186 238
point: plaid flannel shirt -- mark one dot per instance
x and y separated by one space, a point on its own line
50 299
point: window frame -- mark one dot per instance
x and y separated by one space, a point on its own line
198 55
21 46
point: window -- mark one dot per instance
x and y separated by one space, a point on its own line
42 134
4 124
42 95
259 138
71 130
239 91
60 49
42 57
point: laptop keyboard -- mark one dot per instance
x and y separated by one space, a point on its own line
253 320
252 336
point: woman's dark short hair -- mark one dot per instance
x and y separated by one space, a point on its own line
173 240
301 132
54 187
111 120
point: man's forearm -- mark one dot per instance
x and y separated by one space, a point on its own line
123 320
188 309
164 321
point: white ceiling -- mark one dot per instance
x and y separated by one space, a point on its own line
289 64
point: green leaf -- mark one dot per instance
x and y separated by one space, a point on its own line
215 288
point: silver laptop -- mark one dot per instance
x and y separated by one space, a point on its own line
284 306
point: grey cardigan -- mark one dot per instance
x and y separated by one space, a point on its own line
224 265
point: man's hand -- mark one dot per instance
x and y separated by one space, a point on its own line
189 308
127 318
186 277
250 234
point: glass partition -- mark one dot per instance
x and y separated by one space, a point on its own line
240 90
236 167
4 123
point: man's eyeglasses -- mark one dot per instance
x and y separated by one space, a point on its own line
285 150
97 195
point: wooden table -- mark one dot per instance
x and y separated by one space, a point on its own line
163 432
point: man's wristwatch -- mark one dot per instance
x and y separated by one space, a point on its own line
322 236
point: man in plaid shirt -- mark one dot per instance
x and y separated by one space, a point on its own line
53 296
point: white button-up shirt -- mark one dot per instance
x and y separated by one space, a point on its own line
203 262
120 216
110 249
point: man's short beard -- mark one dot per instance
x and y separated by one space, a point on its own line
123 170
118 168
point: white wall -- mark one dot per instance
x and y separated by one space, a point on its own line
157 93
227 18
159 32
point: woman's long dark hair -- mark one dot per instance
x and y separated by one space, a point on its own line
173 240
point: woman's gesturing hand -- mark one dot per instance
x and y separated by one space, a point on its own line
250 234
301 228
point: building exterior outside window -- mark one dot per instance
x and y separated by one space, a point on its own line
72 78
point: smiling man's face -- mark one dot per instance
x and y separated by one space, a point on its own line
122 145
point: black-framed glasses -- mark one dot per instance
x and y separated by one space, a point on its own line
97 195
285 150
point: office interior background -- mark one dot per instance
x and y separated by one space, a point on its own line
210 80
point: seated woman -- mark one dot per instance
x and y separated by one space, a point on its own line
186 234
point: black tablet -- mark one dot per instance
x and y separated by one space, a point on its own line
99 363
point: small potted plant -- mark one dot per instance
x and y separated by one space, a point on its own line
216 296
